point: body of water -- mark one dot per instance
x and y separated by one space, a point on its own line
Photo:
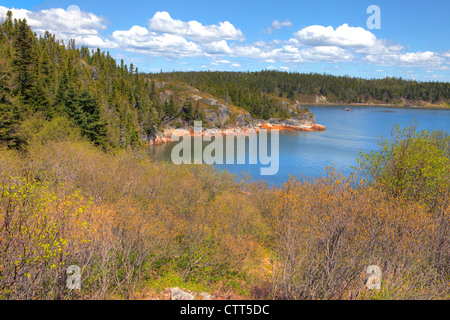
348 132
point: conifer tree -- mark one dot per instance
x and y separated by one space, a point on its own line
23 60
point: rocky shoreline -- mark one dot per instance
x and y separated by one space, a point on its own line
272 124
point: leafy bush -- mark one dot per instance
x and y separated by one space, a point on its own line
129 223
327 232
413 165
145 221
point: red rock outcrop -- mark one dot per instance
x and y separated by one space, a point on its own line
166 136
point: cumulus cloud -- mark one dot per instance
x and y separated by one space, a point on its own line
222 42
408 59
141 40
72 23
162 22
327 42
17 13
343 36
292 54
93 41
355 38
217 48
174 38
327 53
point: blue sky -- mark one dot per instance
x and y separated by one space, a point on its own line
321 36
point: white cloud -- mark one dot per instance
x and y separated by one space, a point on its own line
162 22
326 53
409 59
363 44
355 38
284 68
277 25
217 48
246 50
292 54
17 13
72 23
141 40
93 41
343 36
434 76
219 62
172 39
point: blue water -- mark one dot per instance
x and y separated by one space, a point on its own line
309 153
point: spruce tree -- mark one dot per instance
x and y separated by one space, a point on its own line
23 60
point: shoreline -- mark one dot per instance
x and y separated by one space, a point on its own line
166 136
386 105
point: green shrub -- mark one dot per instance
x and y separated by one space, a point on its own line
414 165
38 130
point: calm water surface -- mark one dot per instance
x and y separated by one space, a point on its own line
348 133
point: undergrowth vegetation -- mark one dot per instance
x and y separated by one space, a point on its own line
133 225
121 218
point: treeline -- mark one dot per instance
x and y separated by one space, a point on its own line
255 91
40 76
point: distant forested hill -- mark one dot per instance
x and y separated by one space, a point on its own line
254 90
